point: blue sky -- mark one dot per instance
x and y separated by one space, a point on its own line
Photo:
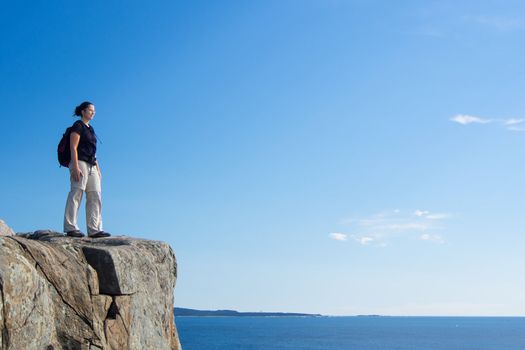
324 156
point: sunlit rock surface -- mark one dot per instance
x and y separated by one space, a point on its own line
112 293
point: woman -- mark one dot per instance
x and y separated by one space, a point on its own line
85 176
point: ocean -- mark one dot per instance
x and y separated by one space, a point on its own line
353 333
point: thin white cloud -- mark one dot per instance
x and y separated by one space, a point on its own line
381 228
513 121
432 238
465 119
431 216
438 216
512 124
363 240
338 236
421 213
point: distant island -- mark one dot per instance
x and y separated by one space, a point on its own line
179 311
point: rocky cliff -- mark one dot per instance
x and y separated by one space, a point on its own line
61 293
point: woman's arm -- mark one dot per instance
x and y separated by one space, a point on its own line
74 139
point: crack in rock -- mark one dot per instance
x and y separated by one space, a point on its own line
82 317
107 294
5 330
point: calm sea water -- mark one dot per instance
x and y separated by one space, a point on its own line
355 333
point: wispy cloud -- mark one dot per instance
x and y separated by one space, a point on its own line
432 216
364 240
465 119
512 124
515 124
514 121
421 213
380 228
336 236
438 216
432 238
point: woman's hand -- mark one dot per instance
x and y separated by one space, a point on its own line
76 174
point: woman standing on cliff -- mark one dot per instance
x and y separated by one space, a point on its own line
85 176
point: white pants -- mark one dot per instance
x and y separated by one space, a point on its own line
89 183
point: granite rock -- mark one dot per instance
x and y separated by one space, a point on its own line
5 230
113 293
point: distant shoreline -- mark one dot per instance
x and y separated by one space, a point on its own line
181 312
184 312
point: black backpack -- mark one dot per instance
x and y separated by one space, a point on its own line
64 154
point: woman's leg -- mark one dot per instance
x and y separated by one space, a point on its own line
74 198
93 202
72 204
93 212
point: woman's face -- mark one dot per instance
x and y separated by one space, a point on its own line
88 112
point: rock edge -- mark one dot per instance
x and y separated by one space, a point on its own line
112 293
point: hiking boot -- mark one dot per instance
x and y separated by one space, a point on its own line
99 234
75 233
